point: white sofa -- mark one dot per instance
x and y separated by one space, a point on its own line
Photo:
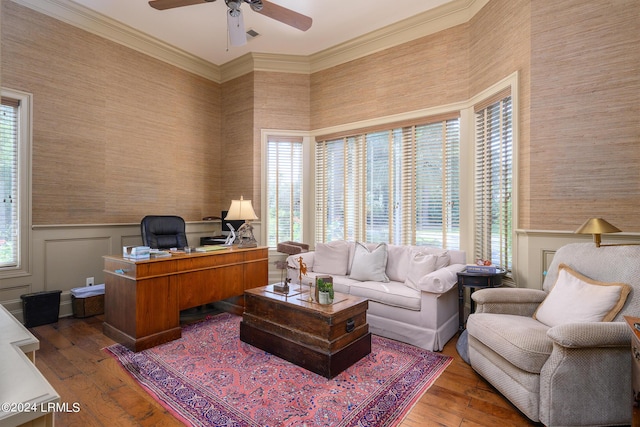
412 290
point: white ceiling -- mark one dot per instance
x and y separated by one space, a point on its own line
201 29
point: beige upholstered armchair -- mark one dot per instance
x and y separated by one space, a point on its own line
554 353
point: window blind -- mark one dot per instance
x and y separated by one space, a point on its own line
284 189
9 207
493 181
396 185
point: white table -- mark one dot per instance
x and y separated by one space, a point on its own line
25 394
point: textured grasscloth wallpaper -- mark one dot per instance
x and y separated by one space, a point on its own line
118 134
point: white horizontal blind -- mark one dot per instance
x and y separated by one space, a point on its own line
284 189
396 185
378 187
331 209
433 189
493 182
451 208
9 184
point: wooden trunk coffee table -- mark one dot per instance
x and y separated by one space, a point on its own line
325 339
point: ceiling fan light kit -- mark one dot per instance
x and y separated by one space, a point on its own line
235 21
235 26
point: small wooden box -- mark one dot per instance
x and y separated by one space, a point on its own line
87 307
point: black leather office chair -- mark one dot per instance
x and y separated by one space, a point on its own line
163 231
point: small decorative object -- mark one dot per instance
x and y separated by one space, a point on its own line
283 286
324 278
302 271
324 286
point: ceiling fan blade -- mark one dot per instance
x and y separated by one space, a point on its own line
170 4
286 16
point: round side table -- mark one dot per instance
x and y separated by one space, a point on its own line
475 281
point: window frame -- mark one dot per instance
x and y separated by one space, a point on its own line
467 156
484 98
493 182
25 123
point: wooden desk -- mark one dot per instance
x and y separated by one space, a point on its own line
143 298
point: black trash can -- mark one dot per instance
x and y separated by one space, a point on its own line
40 308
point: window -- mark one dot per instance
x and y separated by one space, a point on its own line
284 189
493 180
14 180
398 184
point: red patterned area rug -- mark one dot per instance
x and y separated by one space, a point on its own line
211 378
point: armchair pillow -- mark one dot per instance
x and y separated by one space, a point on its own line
369 265
576 298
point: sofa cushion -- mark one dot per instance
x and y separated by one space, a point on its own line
331 258
420 264
369 265
576 298
398 258
390 293
521 340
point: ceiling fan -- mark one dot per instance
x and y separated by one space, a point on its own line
234 14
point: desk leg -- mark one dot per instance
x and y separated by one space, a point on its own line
460 307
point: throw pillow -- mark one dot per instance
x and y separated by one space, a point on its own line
398 259
331 258
576 298
443 255
420 265
369 265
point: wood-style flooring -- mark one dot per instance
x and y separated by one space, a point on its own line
71 357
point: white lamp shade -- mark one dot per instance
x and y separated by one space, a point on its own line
241 210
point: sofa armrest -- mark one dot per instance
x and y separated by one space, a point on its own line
518 301
441 280
591 334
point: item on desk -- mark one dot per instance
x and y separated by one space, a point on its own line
136 252
156 253
211 248
485 269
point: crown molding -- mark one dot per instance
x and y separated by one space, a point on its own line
446 16
110 29
424 24
249 62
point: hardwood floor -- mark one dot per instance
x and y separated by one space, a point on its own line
72 359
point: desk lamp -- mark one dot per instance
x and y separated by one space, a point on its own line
242 210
